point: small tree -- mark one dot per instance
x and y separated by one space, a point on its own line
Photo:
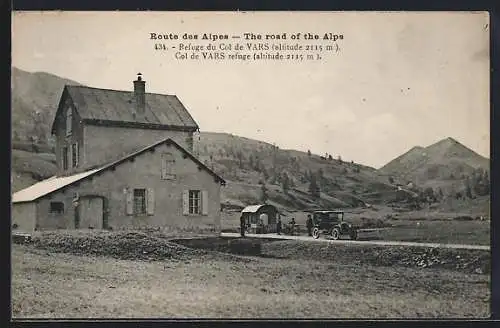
339 159
272 178
439 194
468 189
265 173
263 193
308 153
486 184
391 180
259 166
285 183
251 161
314 187
240 157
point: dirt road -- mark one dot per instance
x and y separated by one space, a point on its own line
358 242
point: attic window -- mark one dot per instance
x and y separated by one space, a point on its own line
69 121
167 166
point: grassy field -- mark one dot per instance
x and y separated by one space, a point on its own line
446 231
46 284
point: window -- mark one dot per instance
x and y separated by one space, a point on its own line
69 121
74 154
139 201
57 207
64 155
167 166
194 202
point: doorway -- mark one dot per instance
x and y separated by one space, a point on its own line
90 213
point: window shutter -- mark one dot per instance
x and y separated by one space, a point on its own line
130 202
70 156
76 153
204 202
171 169
69 119
163 167
185 202
150 199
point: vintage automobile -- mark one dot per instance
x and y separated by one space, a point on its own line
332 223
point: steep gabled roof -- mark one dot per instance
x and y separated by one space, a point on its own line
114 107
48 186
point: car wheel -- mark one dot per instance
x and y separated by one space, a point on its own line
335 234
354 235
315 233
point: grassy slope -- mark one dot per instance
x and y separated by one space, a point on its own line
343 185
35 97
29 167
34 93
434 165
49 285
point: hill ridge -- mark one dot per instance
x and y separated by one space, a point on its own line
446 163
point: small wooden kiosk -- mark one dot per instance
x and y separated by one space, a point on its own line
260 218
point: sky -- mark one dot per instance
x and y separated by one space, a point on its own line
398 80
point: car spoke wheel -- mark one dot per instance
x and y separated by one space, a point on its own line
335 234
354 235
315 233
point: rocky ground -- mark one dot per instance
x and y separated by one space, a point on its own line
467 261
155 246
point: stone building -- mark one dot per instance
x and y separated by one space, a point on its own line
124 160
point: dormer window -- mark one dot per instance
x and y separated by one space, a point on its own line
69 121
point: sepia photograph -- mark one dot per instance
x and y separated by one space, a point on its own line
250 165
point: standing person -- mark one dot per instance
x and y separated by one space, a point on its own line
309 224
242 226
292 226
278 226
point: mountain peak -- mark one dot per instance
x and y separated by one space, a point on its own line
449 141
450 147
439 161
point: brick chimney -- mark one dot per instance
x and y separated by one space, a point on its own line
140 94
